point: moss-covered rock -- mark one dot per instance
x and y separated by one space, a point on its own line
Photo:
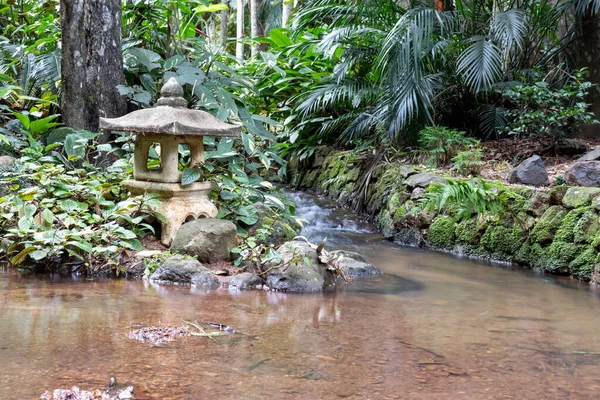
386 224
576 196
566 230
583 264
408 237
539 203
557 193
467 232
309 179
559 256
441 233
587 227
502 241
550 221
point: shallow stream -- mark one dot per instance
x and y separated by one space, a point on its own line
432 327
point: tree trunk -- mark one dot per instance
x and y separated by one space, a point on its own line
239 48
287 11
224 19
92 62
585 52
254 24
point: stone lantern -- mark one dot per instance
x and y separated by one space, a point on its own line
166 127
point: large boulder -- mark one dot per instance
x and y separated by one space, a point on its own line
422 180
211 240
185 269
300 269
585 173
530 172
353 264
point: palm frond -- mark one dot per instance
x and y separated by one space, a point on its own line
480 64
509 28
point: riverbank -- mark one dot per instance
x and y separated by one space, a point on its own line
554 230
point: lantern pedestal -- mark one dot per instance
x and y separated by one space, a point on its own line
178 203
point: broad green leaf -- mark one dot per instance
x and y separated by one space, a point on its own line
190 175
19 258
68 205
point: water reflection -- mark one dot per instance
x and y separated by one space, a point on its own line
433 327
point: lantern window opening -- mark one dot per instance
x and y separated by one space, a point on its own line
154 158
185 155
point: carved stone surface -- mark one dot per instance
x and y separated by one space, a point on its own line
170 125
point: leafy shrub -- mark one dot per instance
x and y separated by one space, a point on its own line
61 208
468 162
465 198
539 109
440 144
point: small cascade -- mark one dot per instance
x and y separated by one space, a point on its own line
326 219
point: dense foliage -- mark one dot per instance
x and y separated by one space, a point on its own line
357 73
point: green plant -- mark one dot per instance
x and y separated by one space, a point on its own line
398 69
465 198
60 208
468 162
541 109
440 144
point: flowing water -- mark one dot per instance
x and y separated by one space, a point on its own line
432 327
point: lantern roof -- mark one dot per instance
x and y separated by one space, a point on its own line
171 117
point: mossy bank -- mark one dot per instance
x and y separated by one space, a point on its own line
556 230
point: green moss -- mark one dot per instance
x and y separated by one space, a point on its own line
404 214
502 241
353 173
550 221
560 255
566 230
576 197
310 178
586 228
467 232
441 233
583 264
386 224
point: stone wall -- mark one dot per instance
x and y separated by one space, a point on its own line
557 230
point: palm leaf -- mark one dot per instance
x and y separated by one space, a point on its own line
480 64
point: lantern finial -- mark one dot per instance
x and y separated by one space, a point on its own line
172 95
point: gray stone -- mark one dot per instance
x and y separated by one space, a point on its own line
182 269
422 180
585 173
530 172
539 203
245 281
407 170
417 193
211 240
299 275
353 264
591 156
408 237
206 280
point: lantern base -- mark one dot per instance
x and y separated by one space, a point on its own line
178 203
